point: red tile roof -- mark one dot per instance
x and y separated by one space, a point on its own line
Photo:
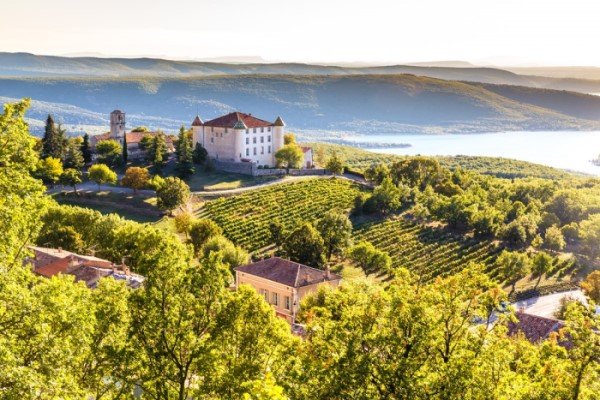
56 267
197 121
534 328
132 137
229 121
287 272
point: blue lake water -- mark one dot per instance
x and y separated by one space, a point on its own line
566 150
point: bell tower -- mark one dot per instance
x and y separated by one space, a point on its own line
117 125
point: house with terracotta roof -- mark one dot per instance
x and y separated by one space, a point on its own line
49 262
238 137
533 327
133 139
284 283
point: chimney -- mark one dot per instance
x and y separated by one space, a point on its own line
60 249
72 264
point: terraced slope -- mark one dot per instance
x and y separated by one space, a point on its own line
245 218
426 251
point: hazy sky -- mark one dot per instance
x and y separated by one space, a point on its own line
378 31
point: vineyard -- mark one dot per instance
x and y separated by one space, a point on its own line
245 218
426 251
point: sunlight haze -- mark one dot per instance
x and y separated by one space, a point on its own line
379 31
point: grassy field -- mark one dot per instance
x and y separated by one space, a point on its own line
137 208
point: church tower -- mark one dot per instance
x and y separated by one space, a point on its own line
117 125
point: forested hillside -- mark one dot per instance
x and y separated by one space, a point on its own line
357 103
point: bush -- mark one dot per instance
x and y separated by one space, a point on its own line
172 193
201 231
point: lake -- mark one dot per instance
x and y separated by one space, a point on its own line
566 150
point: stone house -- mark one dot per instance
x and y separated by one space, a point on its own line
284 283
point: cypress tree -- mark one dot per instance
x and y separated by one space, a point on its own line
86 149
73 156
185 166
125 151
49 138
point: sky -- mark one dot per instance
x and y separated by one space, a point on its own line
501 32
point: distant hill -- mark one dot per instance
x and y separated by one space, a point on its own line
346 103
30 65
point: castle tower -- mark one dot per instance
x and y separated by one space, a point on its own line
198 131
117 125
239 129
278 133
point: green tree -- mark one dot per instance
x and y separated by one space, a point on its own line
386 197
589 231
289 138
289 156
591 286
201 231
71 177
554 239
86 149
101 174
109 152
49 170
156 153
277 231
172 193
73 157
135 178
185 164
200 154
541 264
65 237
125 150
22 198
54 140
369 258
336 230
231 255
513 266
305 245
183 222
376 173
335 165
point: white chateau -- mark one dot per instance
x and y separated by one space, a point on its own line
239 137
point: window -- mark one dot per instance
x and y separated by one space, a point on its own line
247 130
262 139
269 138
269 149
265 294
253 140
269 129
255 151
262 149
212 139
288 303
247 152
247 140
275 299
254 130
225 132
262 130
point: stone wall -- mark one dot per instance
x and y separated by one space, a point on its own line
234 167
247 168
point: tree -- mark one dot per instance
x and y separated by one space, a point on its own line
22 197
201 231
335 164
541 264
591 286
172 193
554 239
386 197
369 258
71 177
125 152
185 165
289 156
513 266
231 255
289 138
336 230
376 173
86 149
156 153
568 206
54 140
140 129
65 237
109 152
305 245
73 156
135 178
200 154
102 174
277 231
49 170
589 231
183 222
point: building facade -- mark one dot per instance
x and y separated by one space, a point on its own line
284 283
239 137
